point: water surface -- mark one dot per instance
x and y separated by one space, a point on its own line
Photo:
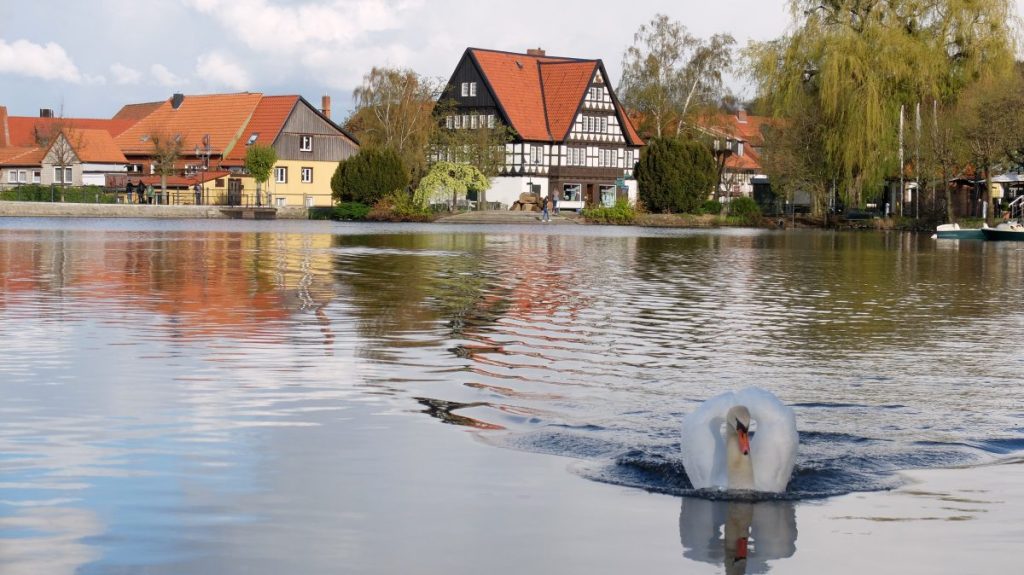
266 397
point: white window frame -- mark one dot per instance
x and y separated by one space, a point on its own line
281 174
306 175
305 143
12 177
449 122
22 176
58 175
490 120
472 89
458 122
474 121
37 176
537 155
465 89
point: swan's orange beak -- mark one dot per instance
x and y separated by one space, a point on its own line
744 438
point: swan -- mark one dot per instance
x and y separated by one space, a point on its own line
744 440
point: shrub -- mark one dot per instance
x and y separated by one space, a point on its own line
675 175
713 207
746 210
368 176
621 213
398 206
351 211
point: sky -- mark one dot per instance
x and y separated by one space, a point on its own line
88 58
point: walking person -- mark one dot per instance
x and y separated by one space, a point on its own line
129 190
545 215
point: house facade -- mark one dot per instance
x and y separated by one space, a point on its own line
216 130
572 138
308 144
737 141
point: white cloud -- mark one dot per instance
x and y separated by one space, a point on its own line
124 75
49 62
325 38
217 69
165 77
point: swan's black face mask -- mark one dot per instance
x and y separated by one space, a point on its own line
740 427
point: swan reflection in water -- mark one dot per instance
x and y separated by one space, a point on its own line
741 535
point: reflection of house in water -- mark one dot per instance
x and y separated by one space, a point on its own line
206 284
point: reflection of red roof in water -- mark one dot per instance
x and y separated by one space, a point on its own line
205 284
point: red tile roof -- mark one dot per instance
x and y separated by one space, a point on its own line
96 146
24 129
137 112
267 120
221 116
21 156
564 85
540 95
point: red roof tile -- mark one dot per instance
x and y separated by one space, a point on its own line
137 112
96 146
564 84
24 129
221 116
267 120
540 95
22 156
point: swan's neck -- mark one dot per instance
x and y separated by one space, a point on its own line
739 468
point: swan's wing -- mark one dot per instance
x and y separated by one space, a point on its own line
773 446
702 444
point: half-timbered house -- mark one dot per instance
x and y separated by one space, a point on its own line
571 136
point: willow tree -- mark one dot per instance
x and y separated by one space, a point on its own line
861 60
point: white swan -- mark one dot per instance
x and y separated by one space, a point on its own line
755 450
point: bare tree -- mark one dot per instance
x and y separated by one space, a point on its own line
667 71
166 151
63 143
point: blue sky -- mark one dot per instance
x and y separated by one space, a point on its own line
89 58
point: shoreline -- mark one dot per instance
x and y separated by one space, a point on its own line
15 209
70 210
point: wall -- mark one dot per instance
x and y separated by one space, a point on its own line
506 189
295 192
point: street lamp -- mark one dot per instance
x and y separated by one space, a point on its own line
202 152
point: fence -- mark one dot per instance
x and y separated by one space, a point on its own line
102 195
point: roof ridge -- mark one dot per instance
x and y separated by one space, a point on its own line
565 59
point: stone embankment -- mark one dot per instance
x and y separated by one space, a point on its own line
506 217
65 210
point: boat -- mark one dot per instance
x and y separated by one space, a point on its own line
955 232
1012 229
1006 231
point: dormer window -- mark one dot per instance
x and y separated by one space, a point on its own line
305 143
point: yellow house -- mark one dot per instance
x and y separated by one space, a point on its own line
308 144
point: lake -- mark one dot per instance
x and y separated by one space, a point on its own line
310 397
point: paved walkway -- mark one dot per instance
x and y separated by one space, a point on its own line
506 217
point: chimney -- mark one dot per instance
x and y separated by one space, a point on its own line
45 112
176 100
5 132
741 116
325 106
535 52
